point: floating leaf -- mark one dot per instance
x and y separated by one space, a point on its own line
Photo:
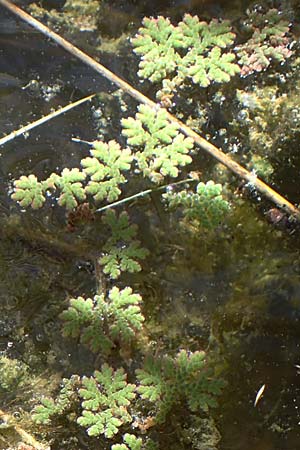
70 185
28 191
164 148
106 399
207 206
122 250
105 169
101 322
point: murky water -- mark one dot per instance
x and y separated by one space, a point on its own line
236 292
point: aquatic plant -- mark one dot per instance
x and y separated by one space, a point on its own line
100 178
162 147
66 401
105 168
131 442
269 41
13 373
28 191
106 400
206 206
121 252
186 379
192 50
103 321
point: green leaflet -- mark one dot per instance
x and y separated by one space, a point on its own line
70 185
122 251
106 399
105 169
157 42
28 191
193 50
131 442
100 178
101 322
162 148
187 378
206 206
66 399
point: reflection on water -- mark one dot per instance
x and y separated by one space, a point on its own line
236 293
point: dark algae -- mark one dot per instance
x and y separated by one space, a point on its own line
149 300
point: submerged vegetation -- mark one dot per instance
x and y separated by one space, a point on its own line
143 207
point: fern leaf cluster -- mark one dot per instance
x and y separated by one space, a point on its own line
166 382
105 168
50 408
100 178
269 41
106 400
162 149
69 183
131 442
122 251
193 50
30 192
100 322
206 206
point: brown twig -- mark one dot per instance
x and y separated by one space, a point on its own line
239 170
36 123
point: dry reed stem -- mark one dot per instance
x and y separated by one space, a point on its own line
36 123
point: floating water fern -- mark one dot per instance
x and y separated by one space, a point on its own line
101 322
269 41
28 191
106 400
69 183
163 149
192 50
105 168
131 442
206 206
186 379
122 251
66 401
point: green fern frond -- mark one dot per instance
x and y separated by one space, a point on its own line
123 252
125 312
206 206
193 49
85 318
101 322
70 185
187 378
131 442
67 398
106 399
105 169
157 42
28 191
164 148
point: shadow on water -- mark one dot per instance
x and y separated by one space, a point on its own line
237 292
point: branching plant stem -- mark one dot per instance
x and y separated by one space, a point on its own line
251 179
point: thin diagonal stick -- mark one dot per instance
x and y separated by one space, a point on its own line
143 193
42 120
239 170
